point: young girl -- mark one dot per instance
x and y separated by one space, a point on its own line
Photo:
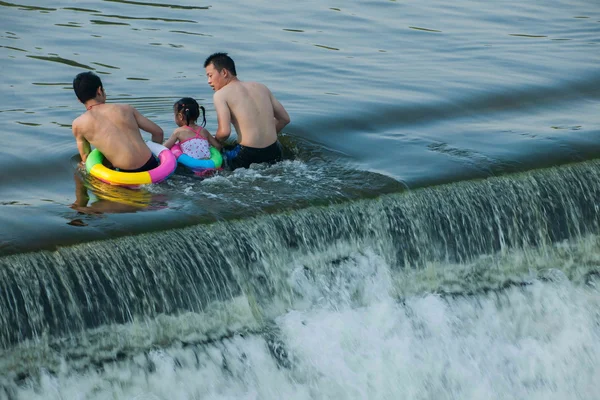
193 139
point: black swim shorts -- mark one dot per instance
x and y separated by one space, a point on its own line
243 156
150 164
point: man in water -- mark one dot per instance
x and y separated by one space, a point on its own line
252 109
114 129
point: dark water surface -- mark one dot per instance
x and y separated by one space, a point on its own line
383 95
432 234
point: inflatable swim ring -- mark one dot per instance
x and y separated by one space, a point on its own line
200 167
167 166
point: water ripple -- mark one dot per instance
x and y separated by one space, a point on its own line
147 18
26 8
174 6
62 61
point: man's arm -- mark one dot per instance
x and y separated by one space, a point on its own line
83 146
282 118
149 126
223 117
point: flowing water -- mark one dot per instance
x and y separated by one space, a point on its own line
434 232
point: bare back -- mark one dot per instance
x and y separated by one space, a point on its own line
114 129
252 115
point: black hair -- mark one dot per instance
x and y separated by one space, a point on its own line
191 110
86 85
220 61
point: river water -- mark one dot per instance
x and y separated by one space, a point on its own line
432 233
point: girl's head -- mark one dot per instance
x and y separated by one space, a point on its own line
187 111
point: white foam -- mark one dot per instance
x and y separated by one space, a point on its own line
350 338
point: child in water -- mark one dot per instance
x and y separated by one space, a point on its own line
194 139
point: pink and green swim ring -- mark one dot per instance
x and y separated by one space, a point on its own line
167 166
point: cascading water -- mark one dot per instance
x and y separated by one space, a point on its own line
478 289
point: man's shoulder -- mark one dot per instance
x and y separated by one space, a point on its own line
79 121
255 85
224 94
261 88
243 88
121 106
121 110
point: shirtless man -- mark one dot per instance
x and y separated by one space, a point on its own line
252 109
114 129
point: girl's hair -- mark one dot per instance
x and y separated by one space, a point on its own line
191 110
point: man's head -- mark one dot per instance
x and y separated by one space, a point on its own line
87 85
220 70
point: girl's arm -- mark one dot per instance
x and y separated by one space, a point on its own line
211 140
172 140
